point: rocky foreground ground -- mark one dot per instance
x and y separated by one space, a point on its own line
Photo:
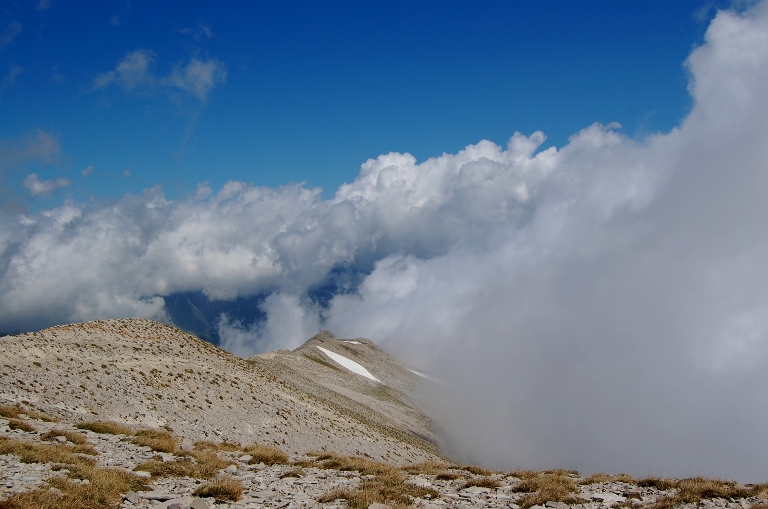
47 464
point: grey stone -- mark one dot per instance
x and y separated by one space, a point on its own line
245 458
199 503
231 469
158 495
179 503
607 498
132 497
142 473
377 505
186 446
61 438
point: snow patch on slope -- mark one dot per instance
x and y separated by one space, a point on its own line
349 364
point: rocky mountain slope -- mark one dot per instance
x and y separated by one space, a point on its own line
147 374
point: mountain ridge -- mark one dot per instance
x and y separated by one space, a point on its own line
146 374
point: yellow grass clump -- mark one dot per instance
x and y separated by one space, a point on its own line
265 454
105 484
224 488
157 440
105 427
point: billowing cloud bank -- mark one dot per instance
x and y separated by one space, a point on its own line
601 306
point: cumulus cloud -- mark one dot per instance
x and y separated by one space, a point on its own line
37 187
134 73
601 306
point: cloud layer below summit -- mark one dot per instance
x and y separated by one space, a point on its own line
601 306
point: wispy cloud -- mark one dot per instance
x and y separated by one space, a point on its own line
10 32
37 187
10 78
43 5
198 77
199 32
37 146
86 171
134 73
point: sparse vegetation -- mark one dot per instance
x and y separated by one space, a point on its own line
543 487
224 488
447 476
13 412
157 440
105 484
600 477
428 468
71 436
202 463
474 469
481 482
265 454
658 483
388 487
22 425
105 427
695 489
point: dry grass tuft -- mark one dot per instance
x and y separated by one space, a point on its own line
201 463
481 482
447 476
354 463
157 440
32 452
224 488
428 468
523 474
657 483
266 454
105 484
600 477
71 436
105 427
695 489
386 488
543 487
12 412
22 425
474 469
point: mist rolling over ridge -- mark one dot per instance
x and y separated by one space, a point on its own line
601 305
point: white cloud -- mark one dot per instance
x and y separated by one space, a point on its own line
198 77
601 306
134 73
37 187
87 171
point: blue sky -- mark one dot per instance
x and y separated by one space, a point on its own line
308 91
